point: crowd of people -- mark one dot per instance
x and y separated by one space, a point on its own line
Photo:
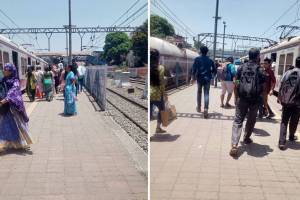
40 84
251 84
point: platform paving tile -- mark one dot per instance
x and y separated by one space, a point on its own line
72 158
191 160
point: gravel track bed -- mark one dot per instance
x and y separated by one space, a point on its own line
132 130
136 96
137 114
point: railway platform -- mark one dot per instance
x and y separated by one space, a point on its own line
84 157
191 160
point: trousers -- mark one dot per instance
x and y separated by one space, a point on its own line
243 108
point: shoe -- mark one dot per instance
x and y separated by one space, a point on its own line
281 147
160 130
248 140
198 109
228 105
270 116
205 114
293 138
222 105
233 152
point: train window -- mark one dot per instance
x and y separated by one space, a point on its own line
1 61
5 57
273 57
289 61
29 61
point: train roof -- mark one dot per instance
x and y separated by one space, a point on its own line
169 49
9 42
289 42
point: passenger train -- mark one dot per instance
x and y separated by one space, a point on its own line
283 56
177 62
10 52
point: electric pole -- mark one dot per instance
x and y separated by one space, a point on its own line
70 34
216 29
223 40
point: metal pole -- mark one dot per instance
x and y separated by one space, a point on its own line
216 29
70 34
67 49
49 44
223 41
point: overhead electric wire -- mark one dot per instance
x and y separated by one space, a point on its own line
100 37
163 11
132 15
176 17
9 28
14 23
277 20
125 12
143 12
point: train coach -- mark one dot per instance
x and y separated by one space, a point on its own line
10 52
177 62
283 56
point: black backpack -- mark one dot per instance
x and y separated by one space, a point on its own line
249 86
289 90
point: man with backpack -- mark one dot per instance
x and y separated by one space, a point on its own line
227 76
289 97
203 71
249 87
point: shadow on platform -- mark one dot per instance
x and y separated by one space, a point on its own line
211 115
293 145
260 132
164 138
255 150
93 102
20 152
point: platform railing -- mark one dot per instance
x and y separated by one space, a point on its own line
95 84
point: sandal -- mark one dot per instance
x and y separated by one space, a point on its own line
160 130
233 152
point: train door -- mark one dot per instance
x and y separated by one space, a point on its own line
15 59
29 61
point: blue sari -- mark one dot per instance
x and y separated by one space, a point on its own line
70 95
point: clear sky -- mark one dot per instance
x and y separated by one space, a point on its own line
54 13
244 17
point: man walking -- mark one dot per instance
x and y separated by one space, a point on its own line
289 97
203 70
268 89
249 87
227 76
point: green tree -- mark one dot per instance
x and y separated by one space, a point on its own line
116 47
140 44
160 27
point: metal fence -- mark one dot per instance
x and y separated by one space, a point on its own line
95 83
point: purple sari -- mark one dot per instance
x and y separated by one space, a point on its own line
14 123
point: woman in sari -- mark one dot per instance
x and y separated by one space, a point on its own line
13 119
70 92
31 84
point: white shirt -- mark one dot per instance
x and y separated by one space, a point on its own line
81 70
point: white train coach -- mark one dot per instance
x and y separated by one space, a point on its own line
10 52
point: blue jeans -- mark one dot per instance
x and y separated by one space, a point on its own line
205 86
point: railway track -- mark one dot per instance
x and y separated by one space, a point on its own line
132 110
